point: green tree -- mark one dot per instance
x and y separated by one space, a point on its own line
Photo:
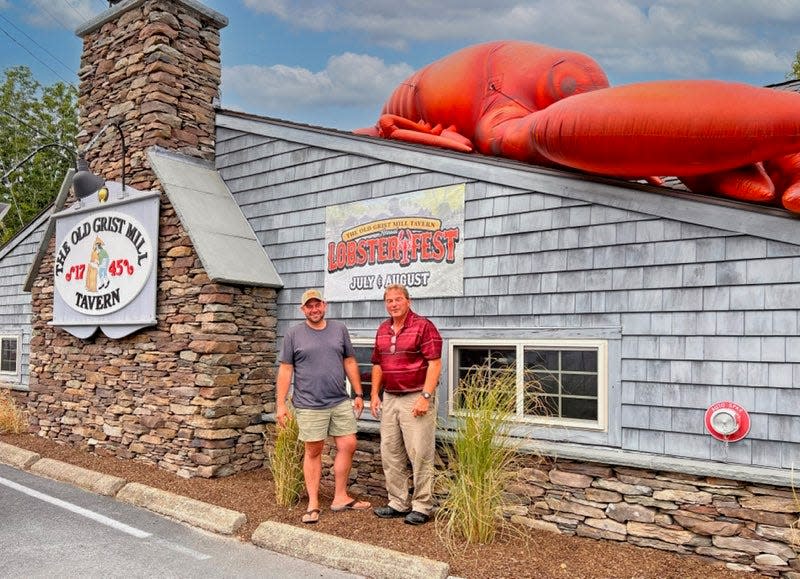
794 74
32 115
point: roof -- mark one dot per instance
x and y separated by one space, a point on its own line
223 238
56 206
766 222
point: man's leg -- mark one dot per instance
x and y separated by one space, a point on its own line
419 434
313 430
312 471
343 429
342 463
393 452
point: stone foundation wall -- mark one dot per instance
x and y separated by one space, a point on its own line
744 526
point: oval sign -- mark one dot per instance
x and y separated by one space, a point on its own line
103 263
727 421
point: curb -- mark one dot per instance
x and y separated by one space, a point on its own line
17 457
101 484
329 550
345 554
197 513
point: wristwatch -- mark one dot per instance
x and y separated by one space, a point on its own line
426 395
357 395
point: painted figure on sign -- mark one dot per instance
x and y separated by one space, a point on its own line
103 280
97 272
91 272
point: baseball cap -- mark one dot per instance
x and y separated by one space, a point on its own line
311 294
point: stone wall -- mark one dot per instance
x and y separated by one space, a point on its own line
188 393
744 526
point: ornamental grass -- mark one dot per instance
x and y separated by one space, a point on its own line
481 459
286 462
12 418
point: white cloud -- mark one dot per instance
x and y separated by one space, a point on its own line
347 80
63 14
682 38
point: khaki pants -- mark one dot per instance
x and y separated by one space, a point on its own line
406 438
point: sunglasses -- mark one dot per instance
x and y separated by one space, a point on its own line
393 345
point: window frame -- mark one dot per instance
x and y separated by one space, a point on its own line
18 355
563 344
370 344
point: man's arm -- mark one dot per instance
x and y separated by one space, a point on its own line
375 394
351 370
282 384
422 405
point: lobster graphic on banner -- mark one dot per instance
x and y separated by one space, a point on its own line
555 108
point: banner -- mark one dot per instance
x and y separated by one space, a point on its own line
414 239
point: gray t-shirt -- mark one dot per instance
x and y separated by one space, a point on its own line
317 357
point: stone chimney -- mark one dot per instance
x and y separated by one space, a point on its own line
187 393
153 67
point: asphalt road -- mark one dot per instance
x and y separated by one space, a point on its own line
50 529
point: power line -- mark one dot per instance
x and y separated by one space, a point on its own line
76 11
24 123
61 62
40 61
58 21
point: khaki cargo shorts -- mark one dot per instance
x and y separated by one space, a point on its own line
320 423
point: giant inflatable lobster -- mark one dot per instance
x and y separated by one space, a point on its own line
555 108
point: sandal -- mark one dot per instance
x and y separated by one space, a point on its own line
353 505
311 516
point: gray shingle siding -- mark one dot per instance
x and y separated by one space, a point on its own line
15 303
701 313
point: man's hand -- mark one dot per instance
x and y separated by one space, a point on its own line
358 406
281 414
375 406
421 407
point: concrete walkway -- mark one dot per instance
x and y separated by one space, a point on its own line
329 550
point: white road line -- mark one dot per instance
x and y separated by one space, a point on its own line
181 549
76 509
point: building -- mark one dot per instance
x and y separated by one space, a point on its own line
653 306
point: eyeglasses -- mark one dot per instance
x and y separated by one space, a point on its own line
393 346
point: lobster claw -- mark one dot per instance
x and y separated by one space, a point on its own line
785 173
748 183
402 129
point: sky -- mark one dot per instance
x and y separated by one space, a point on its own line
333 63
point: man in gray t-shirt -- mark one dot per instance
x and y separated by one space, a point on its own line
318 356
318 352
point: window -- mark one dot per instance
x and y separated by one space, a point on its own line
9 355
558 382
363 350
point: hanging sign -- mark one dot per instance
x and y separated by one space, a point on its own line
414 239
105 259
103 262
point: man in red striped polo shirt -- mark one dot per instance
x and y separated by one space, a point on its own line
406 363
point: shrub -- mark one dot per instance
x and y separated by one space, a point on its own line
481 460
286 463
12 418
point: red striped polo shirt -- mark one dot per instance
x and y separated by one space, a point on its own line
417 342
